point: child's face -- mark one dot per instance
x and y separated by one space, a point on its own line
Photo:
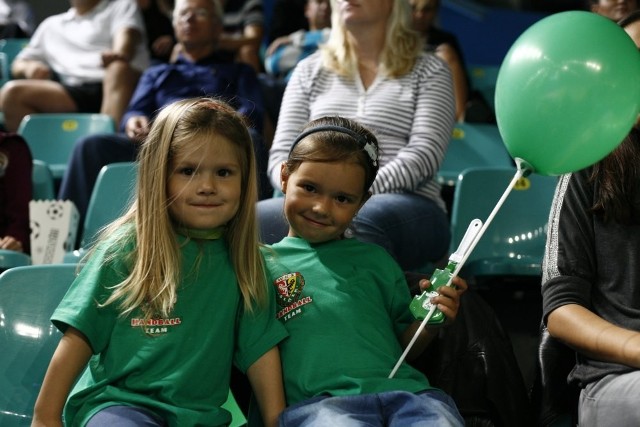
204 186
321 199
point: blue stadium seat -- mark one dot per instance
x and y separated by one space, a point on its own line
514 242
473 145
51 137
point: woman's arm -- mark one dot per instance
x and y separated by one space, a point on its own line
30 69
247 45
593 336
580 251
295 112
125 42
460 86
68 361
426 125
265 376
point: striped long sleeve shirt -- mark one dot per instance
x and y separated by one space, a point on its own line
412 117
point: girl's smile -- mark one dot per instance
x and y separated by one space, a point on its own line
322 199
205 183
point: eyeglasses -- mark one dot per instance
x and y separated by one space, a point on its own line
198 13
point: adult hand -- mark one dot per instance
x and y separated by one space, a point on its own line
162 46
137 128
280 41
37 70
8 242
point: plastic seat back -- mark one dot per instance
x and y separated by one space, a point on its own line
11 48
473 145
10 259
28 297
5 72
238 418
514 242
483 78
110 198
51 137
43 182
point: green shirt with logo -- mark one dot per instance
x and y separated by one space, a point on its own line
345 305
178 367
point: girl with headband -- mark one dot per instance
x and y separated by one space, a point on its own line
345 303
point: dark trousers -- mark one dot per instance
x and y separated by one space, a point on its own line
89 155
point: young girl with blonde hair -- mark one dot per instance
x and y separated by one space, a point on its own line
174 291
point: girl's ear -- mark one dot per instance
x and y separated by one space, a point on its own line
284 177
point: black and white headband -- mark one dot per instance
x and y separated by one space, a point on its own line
367 146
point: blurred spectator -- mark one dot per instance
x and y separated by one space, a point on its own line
243 31
15 192
87 59
283 53
445 45
288 17
471 106
613 9
17 19
157 22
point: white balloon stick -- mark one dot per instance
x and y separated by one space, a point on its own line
519 174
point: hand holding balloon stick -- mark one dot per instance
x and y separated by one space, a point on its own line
567 94
421 306
469 241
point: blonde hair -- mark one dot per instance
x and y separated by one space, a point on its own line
402 46
154 278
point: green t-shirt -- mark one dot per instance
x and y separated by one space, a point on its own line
345 305
178 367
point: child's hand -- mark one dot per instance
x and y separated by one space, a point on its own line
448 300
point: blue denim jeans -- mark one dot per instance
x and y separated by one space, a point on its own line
432 408
412 228
124 416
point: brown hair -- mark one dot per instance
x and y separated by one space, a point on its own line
336 139
616 177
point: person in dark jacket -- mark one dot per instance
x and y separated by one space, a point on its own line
591 278
15 192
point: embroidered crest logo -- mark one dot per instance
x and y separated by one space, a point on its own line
289 288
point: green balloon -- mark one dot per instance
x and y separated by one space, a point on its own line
568 92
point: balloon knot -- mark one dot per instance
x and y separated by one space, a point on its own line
524 166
